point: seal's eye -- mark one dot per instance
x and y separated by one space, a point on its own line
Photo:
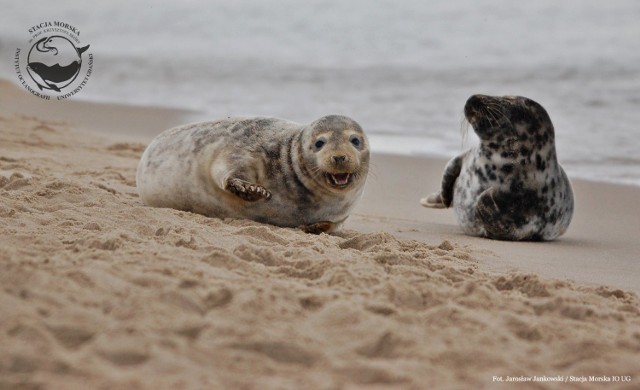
355 141
319 144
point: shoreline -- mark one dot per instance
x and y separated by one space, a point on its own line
151 120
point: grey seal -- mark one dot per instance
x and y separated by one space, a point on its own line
511 186
265 169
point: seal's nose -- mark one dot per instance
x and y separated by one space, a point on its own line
339 160
474 104
476 101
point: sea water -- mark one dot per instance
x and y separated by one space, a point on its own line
402 68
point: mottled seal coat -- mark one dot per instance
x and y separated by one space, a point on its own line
511 186
266 169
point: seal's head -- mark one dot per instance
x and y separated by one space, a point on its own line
336 151
501 119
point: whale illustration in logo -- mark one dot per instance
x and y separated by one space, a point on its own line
54 62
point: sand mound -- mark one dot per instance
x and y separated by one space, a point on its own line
99 291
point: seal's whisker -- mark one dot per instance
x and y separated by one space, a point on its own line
490 117
498 113
464 130
496 109
371 172
492 113
316 172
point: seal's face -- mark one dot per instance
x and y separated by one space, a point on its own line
337 152
503 118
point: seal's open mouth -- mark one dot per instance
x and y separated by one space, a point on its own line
339 180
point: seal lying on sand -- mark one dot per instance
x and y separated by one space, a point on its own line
511 186
266 169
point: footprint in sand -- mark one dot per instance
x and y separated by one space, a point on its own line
70 336
14 182
123 349
280 351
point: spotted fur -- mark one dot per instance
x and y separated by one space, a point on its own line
266 169
511 186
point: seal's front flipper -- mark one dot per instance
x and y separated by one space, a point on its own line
318 227
433 201
247 191
443 199
238 176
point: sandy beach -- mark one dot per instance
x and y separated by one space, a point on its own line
99 291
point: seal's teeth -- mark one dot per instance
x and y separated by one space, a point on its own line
340 179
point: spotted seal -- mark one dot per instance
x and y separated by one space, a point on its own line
511 186
265 169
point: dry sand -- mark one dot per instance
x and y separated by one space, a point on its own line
100 292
